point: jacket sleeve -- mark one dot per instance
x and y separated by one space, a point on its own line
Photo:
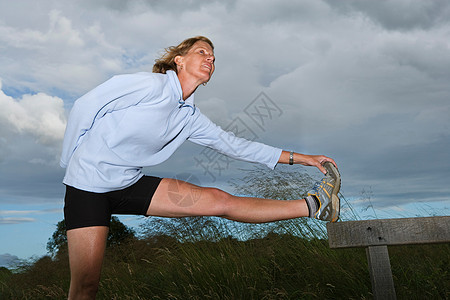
204 132
117 93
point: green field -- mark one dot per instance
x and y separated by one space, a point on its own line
277 266
213 258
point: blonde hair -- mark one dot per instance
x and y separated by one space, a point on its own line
167 60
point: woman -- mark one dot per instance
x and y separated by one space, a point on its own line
138 120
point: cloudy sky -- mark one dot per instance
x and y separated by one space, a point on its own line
365 82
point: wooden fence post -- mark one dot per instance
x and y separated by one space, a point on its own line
380 272
376 235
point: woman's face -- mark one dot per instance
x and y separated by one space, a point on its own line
198 63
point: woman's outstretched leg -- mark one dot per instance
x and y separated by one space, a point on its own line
86 250
176 198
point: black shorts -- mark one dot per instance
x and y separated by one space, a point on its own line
84 209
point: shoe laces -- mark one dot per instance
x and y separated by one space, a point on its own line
319 184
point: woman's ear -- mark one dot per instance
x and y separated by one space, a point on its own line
179 61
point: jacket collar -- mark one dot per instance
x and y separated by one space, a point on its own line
176 87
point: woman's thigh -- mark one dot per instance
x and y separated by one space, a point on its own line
86 250
177 198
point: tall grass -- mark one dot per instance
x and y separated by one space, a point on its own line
213 258
278 266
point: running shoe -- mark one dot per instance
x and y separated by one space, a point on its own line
326 192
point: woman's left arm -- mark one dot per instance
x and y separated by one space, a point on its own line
206 133
306 160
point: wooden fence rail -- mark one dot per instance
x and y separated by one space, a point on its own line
376 235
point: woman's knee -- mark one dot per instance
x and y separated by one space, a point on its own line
221 201
84 286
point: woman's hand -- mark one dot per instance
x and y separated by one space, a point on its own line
307 160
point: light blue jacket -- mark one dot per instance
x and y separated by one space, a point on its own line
139 120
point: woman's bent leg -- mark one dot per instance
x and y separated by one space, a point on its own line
86 251
176 198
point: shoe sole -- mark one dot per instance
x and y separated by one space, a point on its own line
335 202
